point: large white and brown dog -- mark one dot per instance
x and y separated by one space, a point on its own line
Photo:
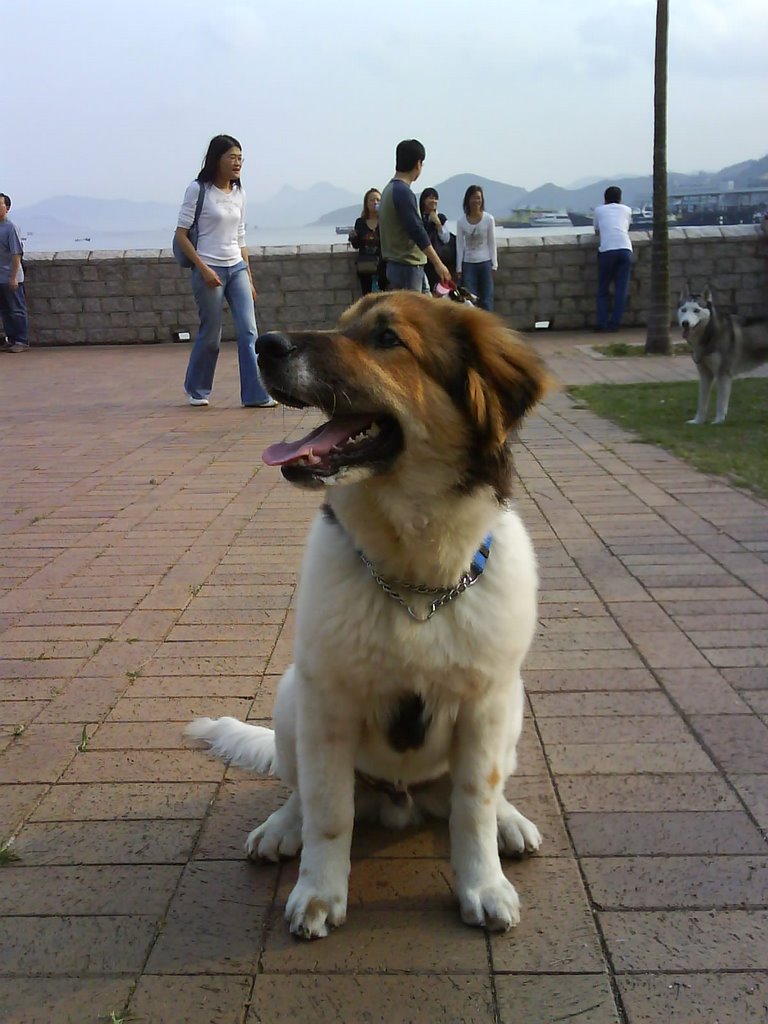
417 601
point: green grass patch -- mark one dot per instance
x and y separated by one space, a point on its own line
658 414
619 349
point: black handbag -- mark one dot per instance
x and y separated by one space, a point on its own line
367 264
194 230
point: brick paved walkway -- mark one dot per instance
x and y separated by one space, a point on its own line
148 567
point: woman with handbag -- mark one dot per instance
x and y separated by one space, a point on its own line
210 233
364 236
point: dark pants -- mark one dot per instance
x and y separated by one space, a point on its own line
13 312
366 280
614 267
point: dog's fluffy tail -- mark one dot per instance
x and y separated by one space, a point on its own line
247 746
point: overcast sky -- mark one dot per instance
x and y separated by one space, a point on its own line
119 100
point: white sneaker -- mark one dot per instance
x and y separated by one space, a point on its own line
197 401
268 404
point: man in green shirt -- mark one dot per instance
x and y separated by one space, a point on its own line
405 244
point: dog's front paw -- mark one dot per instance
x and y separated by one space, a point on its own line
279 836
311 913
266 843
516 834
494 905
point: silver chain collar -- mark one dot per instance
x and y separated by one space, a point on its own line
441 596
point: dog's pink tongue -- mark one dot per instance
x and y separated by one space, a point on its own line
317 443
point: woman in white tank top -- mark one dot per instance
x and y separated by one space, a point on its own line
220 270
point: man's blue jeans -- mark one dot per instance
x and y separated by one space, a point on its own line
13 312
613 267
404 277
236 289
478 279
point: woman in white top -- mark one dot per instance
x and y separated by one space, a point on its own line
220 270
476 260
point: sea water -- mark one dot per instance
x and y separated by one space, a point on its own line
313 234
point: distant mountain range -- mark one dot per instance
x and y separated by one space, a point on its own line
501 199
82 215
326 204
498 197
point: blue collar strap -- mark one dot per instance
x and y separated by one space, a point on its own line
481 556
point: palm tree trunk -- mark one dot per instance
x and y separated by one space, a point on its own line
658 338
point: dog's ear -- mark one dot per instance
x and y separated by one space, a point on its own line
685 291
506 378
706 296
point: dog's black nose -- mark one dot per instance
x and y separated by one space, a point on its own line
274 345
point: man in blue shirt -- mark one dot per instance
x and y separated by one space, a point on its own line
13 305
405 244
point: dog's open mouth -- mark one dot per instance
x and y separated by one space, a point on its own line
686 330
367 440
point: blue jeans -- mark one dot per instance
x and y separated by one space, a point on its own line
613 267
236 289
404 276
478 279
13 313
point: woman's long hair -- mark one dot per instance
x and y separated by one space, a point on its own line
428 193
472 189
217 147
364 214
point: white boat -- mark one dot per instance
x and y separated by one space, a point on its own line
551 219
642 216
343 231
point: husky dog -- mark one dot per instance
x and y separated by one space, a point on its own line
722 348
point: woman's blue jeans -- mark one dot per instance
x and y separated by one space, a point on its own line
478 279
236 289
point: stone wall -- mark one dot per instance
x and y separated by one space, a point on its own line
143 296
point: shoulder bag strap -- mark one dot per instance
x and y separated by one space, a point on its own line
198 205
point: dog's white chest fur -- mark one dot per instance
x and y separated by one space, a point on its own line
349 627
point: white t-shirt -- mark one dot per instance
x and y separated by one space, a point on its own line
612 222
221 224
476 243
